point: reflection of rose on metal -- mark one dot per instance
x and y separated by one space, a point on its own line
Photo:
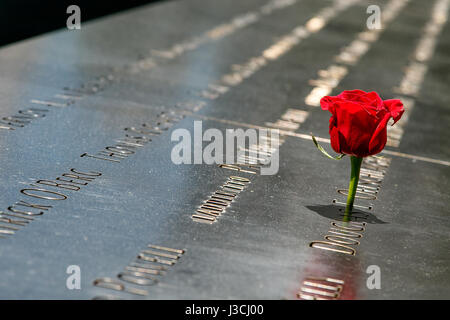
358 127
324 281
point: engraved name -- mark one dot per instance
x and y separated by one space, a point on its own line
215 205
145 270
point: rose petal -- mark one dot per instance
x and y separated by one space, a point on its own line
395 107
334 135
375 99
377 142
356 126
327 103
349 94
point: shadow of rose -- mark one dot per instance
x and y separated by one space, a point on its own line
337 213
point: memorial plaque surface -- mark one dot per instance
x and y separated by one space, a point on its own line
71 100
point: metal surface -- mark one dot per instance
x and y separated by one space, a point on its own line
161 65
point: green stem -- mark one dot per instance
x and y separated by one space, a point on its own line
354 178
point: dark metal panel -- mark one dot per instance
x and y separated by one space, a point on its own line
260 246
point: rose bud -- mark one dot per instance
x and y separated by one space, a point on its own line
358 122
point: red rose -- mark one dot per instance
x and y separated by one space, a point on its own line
358 122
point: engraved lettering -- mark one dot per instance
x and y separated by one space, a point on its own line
59 185
96 157
28 192
331 246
